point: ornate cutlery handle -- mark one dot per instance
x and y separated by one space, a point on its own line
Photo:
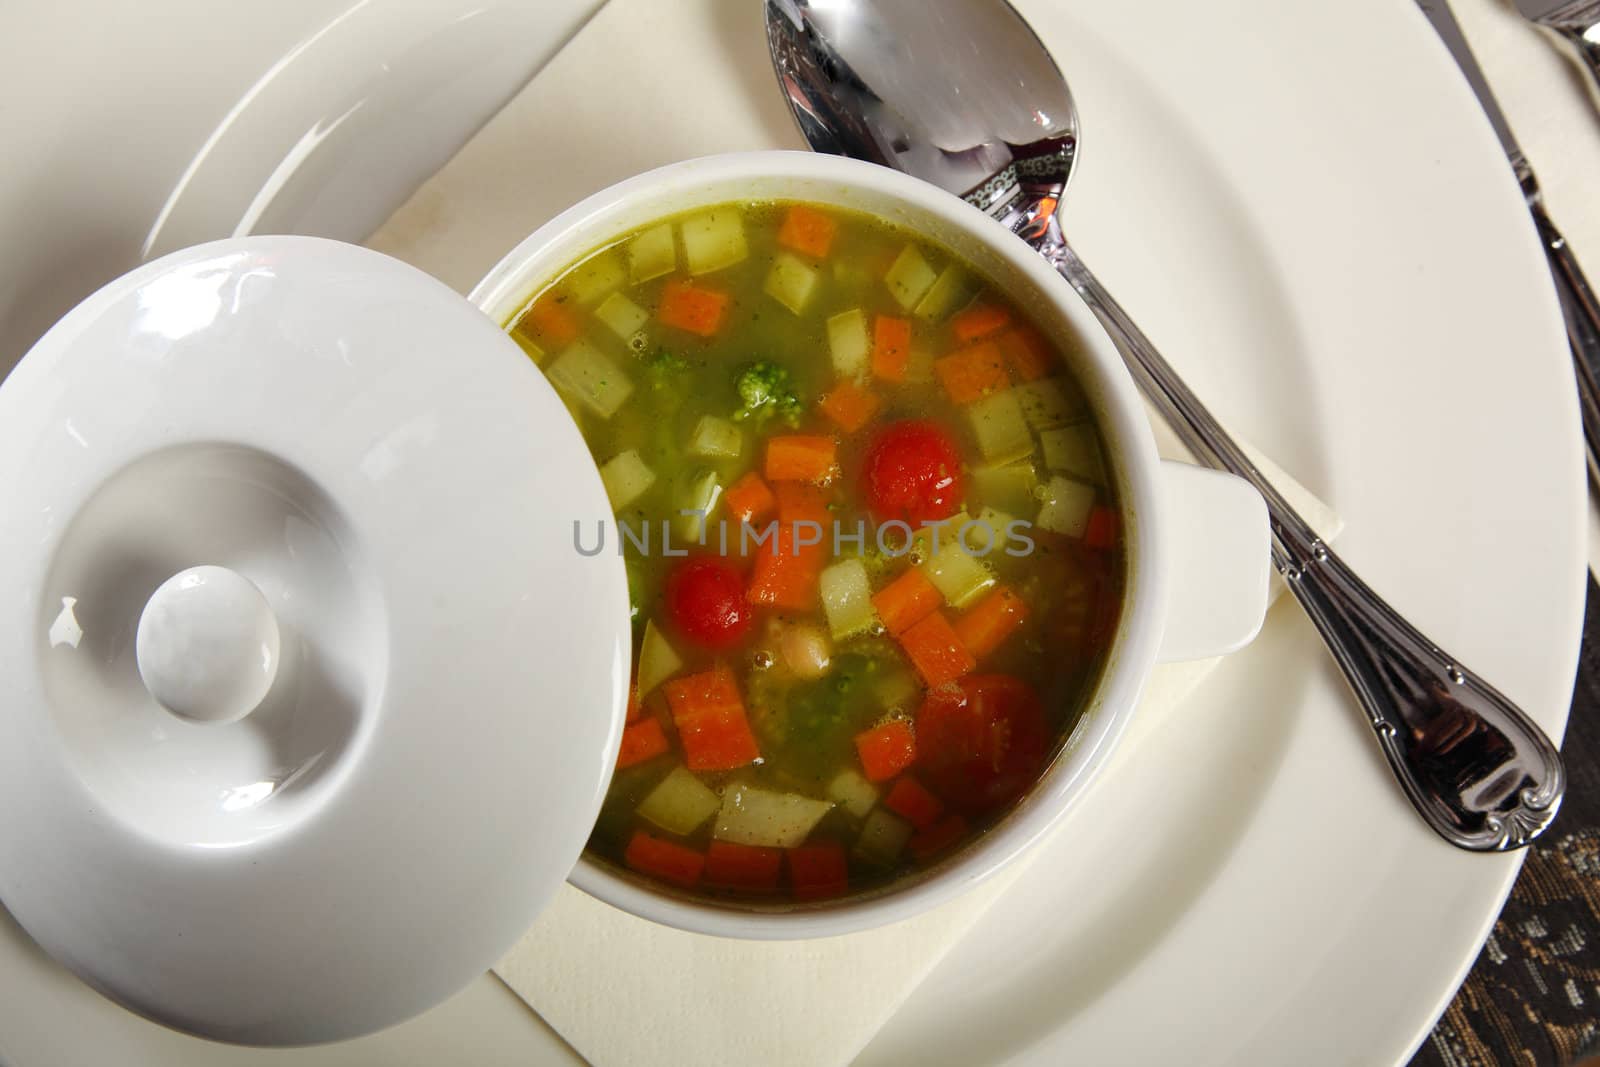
1580 33
1481 773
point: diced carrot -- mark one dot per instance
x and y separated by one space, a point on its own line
1101 531
910 799
979 320
972 373
1027 352
641 741
985 626
749 499
938 837
818 871
711 722
635 705
788 569
798 502
891 347
666 860
906 601
733 866
688 307
936 651
807 231
552 322
849 405
802 458
886 749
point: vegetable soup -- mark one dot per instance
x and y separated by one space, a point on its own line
872 540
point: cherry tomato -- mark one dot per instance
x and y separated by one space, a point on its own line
913 473
981 742
706 602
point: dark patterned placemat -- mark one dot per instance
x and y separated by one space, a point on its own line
1533 997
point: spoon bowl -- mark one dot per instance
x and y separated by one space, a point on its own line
933 108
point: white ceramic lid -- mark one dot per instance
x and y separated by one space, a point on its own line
310 702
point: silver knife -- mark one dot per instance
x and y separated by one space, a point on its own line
1578 304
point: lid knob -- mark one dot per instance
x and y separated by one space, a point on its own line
207 645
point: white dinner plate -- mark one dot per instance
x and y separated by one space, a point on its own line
1307 211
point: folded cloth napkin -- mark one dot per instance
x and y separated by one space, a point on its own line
621 990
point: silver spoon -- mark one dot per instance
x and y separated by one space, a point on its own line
964 95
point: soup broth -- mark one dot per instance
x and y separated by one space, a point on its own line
873 544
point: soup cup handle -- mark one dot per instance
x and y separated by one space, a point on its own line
1215 535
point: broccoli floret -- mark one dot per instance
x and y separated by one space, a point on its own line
663 366
666 379
766 390
824 713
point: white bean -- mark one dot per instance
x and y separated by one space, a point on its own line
806 650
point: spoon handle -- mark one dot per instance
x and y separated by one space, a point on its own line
1481 773
1581 37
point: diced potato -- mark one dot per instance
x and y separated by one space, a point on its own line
657 660
652 254
1074 450
919 366
752 816
847 598
958 575
1000 427
986 534
927 537
591 378
910 277
1050 402
533 351
626 477
792 281
1007 487
883 838
715 437
1066 506
849 343
713 240
852 792
623 316
598 277
680 803
697 500
952 289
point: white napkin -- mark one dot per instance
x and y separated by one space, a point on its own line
621 990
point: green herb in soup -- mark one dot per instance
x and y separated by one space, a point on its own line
873 546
